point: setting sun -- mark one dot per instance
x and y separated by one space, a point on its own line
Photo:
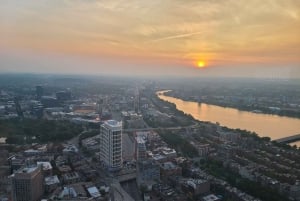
201 64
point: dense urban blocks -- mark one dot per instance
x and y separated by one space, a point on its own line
150 151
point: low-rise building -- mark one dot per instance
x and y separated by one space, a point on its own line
68 192
147 171
169 153
46 167
94 192
51 183
295 191
70 149
71 177
196 186
203 149
91 143
169 169
60 160
229 136
16 163
210 197
64 169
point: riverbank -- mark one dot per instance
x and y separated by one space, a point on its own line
241 107
264 125
220 153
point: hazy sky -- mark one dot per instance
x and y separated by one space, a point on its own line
254 38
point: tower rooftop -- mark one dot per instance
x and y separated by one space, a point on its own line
113 123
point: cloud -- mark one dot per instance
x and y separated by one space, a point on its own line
179 31
177 36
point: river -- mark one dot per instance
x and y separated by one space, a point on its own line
272 126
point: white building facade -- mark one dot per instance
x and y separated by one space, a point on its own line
111 144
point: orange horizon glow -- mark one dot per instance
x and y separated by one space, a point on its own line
107 31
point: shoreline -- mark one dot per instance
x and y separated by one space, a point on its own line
242 109
164 93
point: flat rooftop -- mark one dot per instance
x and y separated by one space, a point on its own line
94 192
113 123
51 180
168 166
210 197
46 165
140 140
27 170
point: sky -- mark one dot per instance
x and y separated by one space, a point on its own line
234 38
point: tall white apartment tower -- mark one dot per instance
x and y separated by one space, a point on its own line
111 144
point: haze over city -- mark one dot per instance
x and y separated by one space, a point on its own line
173 100
169 38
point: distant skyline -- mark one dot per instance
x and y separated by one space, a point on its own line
233 38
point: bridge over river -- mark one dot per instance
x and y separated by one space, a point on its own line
289 139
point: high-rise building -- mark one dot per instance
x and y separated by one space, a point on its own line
99 107
63 95
27 184
137 100
140 148
111 144
39 92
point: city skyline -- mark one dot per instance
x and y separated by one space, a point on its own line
169 38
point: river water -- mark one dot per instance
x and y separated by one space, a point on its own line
273 126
